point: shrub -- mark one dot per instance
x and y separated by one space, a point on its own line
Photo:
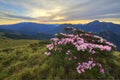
82 51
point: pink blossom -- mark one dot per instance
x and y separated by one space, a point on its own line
80 69
93 52
108 48
85 65
111 44
50 46
74 57
78 63
99 65
102 70
47 53
69 59
68 52
55 39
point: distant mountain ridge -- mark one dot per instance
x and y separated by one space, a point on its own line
33 28
17 35
29 27
97 26
29 30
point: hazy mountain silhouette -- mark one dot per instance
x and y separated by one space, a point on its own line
97 26
17 35
29 27
33 28
29 30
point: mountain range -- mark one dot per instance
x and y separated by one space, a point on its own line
29 30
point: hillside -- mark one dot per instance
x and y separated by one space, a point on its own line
16 62
29 63
8 43
18 35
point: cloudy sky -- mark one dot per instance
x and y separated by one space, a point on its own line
59 11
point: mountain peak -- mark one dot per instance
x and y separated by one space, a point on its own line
95 21
26 23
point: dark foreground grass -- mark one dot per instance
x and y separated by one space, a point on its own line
29 63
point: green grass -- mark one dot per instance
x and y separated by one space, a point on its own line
27 62
8 43
21 63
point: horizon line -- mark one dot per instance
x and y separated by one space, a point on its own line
59 22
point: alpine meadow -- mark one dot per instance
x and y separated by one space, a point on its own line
59 40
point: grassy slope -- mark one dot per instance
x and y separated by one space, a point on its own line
29 63
6 43
20 61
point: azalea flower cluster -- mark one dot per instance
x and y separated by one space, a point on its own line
82 42
88 65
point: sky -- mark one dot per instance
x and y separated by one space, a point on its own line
59 11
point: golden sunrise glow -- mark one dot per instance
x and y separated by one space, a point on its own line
59 22
44 12
39 13
11 22
113 20
59 18
79 22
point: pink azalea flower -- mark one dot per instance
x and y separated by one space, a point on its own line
85 65
78 63
80 69
99 65
47 53
69 59
74 57
108 48
102 70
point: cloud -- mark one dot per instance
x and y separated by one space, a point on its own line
59 10
6 15
92 10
